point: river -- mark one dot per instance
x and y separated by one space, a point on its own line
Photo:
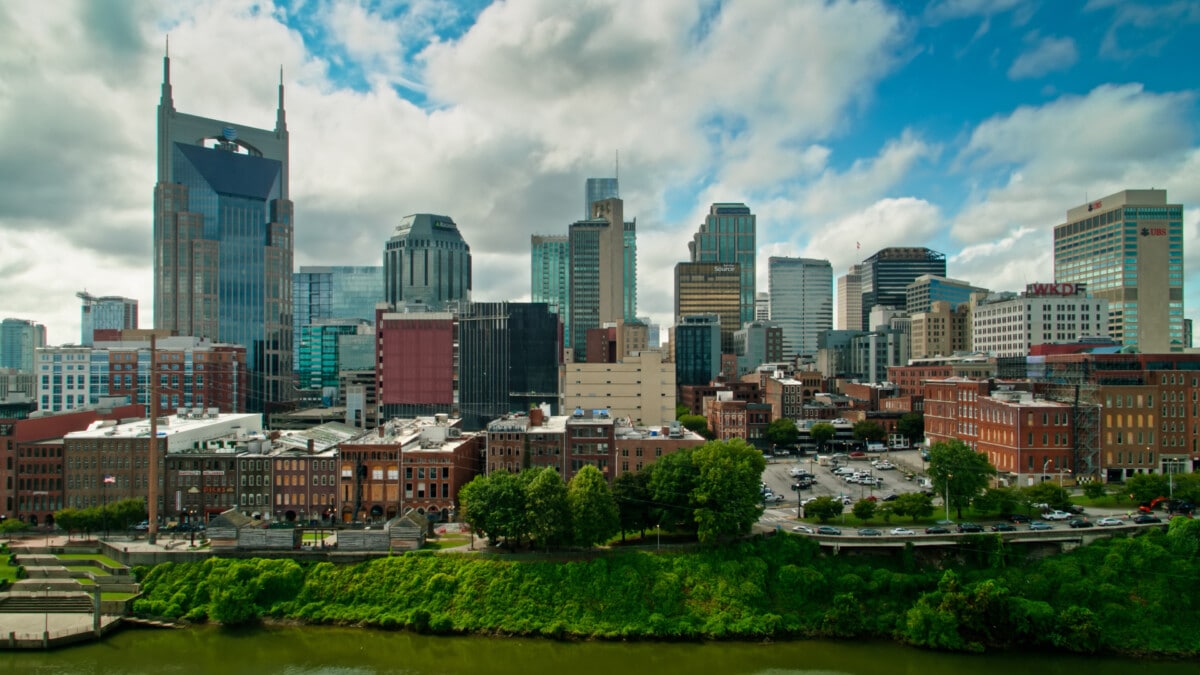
347 651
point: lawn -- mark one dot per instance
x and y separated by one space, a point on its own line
91 569
7 572
446 541
90 556
116 596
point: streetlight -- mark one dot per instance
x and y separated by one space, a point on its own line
195 491
46 621
948 477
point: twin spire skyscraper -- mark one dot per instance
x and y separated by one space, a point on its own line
223 241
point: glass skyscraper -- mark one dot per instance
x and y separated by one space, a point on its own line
342 292
109 313
886 275
18 340
598 189
1127 248
597 272
426 265
223 240
801 298
728 235
550 276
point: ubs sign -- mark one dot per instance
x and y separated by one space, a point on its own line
1038 290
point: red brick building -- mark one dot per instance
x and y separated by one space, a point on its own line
32 468
415 366
1027 439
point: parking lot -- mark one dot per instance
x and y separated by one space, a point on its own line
779 479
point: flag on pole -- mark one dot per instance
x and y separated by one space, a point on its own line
110 479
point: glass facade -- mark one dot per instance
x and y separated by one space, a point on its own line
697 350
550 275
801 299
509 355
728 235
18 340
320 357
597 189
109 313
710 288
344 292
886 275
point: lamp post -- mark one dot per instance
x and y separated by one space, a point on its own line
948 477
46 620
192 511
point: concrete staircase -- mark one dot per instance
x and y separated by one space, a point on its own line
31 603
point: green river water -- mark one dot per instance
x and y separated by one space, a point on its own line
348 651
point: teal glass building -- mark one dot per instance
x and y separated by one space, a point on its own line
550 276
728 235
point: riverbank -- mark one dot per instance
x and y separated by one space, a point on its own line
1112 596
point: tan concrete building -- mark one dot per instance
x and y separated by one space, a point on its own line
941 331
640 387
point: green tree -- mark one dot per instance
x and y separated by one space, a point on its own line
672 479
546 504
1145 487
697 424
913 504
824 508
781 432
821 433
869 430
997 500
13 526
957 470
495 506
726 497
594 516
864 509
681 410
1094 489
631 489
1048 492
911 426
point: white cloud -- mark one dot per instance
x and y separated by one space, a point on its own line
1048 54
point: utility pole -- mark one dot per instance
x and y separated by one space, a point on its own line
153 444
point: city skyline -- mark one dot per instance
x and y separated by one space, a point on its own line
489 114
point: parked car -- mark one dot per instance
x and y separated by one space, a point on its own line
1109 522
1004 527
1057 515
828 529
142 526
969 527
1080 522
936 529
1144 518
1018 518
803 529
891 498
868 532
1040 525
776 498
901 530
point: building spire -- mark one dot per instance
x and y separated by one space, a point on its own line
167 100
280 115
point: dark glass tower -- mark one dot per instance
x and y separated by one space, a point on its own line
223 240
509 355
728 235
887 274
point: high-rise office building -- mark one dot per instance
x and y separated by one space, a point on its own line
105 317
18 340
727 235
597 190
550 276
928 289
710 288
762 307
756 343
801 291
697 345
597 250
1128 249
509 356
427 265
887 274
223 239
318 363
348 293
849 299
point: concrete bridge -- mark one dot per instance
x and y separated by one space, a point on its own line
1064 538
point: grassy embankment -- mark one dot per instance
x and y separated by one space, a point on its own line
1114 595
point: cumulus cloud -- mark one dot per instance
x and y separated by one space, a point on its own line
1046 55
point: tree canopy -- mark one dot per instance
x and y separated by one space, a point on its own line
594 516
821 433
781 431
869 430
911 426
957 471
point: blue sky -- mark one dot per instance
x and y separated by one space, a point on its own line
969 126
